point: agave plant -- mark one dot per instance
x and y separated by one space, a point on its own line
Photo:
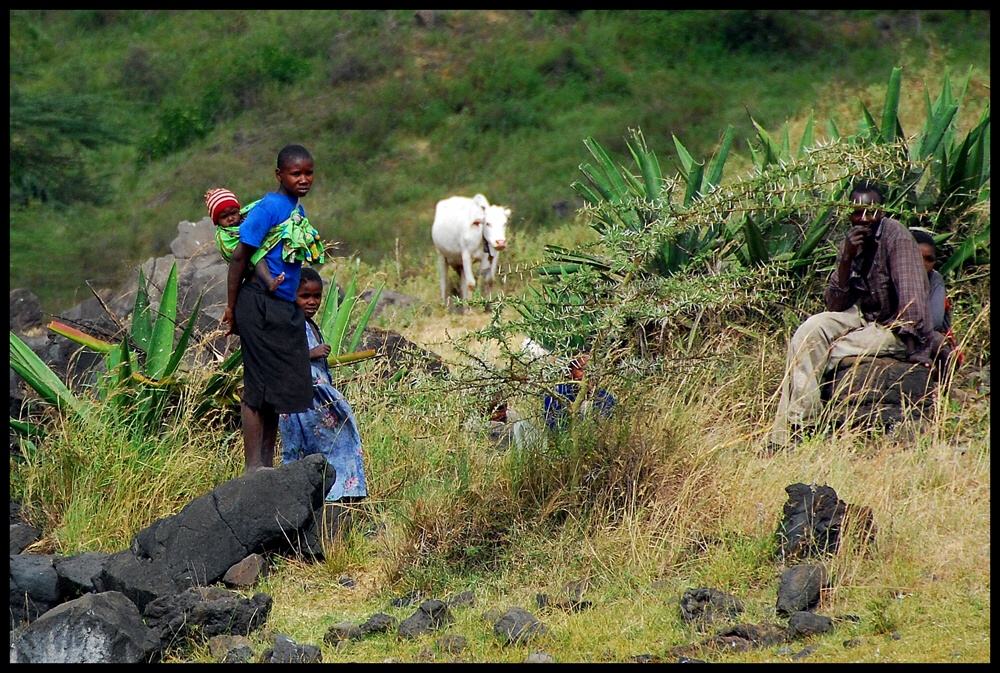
756 236
33 370
779 216
142 375
141 370
945 178
934 177
622 199
335 319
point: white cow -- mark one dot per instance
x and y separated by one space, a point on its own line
469 235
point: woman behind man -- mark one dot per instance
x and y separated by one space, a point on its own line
944 338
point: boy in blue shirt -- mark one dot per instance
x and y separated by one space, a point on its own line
557 405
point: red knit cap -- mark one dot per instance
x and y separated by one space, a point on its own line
217 200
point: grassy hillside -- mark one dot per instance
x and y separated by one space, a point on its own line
402 109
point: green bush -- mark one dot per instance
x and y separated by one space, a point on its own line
280 63
52 138
177 127
534 83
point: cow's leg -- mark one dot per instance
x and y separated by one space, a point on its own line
443 272
468 276
484 274
490 274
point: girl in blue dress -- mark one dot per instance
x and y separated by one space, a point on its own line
329 427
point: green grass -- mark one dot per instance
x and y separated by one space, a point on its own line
714 507
399 116
678 494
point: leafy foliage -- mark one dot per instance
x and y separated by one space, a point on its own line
335 320
402 108
140 382
42 380
178 125
943 179
677 497
653 227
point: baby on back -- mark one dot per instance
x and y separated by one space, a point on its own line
228 215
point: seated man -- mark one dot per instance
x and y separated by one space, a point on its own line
507 429
504 426
557 405
877 304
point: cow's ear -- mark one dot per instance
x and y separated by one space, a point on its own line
506 211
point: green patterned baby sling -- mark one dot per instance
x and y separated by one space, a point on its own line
301 241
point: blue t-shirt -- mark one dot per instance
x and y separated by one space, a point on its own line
556 410
273 209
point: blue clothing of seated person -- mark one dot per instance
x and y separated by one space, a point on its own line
557 405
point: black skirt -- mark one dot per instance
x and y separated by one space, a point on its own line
275 353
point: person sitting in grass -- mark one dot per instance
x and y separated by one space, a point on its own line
876 301
505 426
557 405
944 339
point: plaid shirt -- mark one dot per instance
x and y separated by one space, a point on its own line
894 292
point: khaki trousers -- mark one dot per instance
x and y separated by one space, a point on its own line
817 347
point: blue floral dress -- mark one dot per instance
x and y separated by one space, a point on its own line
329 429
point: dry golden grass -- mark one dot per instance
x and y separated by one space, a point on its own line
703 514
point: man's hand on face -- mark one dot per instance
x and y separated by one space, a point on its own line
864 218
855 240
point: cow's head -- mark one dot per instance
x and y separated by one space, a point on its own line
495 231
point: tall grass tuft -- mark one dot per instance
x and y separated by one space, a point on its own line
96 483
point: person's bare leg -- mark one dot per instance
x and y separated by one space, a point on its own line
268 436
253 440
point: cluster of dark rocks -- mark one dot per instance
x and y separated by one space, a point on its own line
132 605
185 580
814 523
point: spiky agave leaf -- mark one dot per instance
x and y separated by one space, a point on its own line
161 341
26 363
967 250
808 138
890 130
350 358
363 322
142 320
178 352
649 167
82 338
714 176
338 328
